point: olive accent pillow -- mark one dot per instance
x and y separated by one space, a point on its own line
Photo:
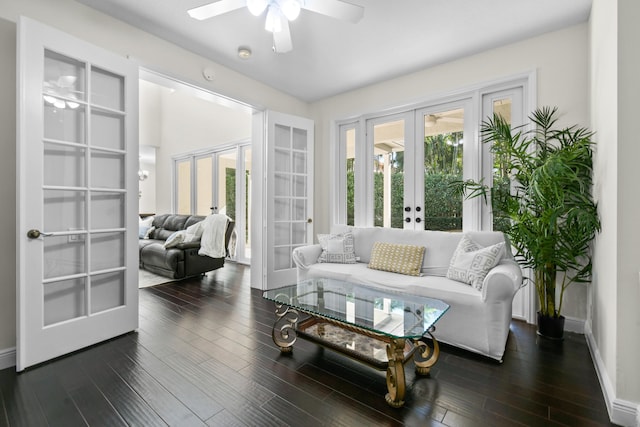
397 258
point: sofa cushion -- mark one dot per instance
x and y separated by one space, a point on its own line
193 233
439 245
337 248
471 262
397 258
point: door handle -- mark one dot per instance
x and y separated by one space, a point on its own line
35 233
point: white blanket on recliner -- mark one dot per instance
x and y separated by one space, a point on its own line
212 242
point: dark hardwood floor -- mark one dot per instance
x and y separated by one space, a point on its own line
203 355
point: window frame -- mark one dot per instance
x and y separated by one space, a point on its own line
474 214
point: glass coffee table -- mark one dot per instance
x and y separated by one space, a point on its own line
379 328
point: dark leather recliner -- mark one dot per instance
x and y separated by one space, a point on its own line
183 260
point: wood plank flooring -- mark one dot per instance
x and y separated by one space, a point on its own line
203 355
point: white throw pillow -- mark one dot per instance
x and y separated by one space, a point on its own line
144 227
471 262
337 248
175 239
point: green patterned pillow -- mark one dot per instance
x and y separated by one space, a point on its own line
471 262
397 258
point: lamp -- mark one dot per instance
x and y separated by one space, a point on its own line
256 7
290 9
273 22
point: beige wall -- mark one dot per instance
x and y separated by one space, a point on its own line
604 114
7 183
614 317
628 342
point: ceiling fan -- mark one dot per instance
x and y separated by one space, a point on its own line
280 13
432 119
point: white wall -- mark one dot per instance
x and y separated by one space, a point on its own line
614 318
561 61
116 36
190 124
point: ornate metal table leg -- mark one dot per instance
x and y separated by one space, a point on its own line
284 328
396 383
425 357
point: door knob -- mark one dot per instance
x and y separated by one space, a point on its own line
35 233
407 220
309 220
418 220
407 209
418 208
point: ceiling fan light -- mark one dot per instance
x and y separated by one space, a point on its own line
256 7
290 9
49 99
72 105
273 22
59 103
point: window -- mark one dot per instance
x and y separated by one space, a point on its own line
416 154
217 181
183 186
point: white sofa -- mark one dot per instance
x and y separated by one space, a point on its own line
477 320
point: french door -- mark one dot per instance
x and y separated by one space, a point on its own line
416 154
288 198
77 194
509 104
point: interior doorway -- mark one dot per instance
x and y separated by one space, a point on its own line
195 151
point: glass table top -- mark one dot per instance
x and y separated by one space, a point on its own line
394 314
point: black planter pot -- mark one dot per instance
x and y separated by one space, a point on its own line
551 327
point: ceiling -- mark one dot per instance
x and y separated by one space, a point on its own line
331 56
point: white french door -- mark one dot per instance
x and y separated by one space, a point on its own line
415 155
289 194
509 104
77 194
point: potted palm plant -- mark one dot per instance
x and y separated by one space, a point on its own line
544 205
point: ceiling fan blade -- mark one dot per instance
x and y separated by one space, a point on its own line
282 39
216 8
336 9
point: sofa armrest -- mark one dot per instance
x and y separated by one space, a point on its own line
502 282
189 245
304 256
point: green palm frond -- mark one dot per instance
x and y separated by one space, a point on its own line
549 212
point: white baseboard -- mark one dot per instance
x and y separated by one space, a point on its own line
622 412
573 324
7 358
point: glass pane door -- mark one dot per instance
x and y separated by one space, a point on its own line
245 205
443 145
226 183
77 184
388 173
289 194
183 187
83 188
204 185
